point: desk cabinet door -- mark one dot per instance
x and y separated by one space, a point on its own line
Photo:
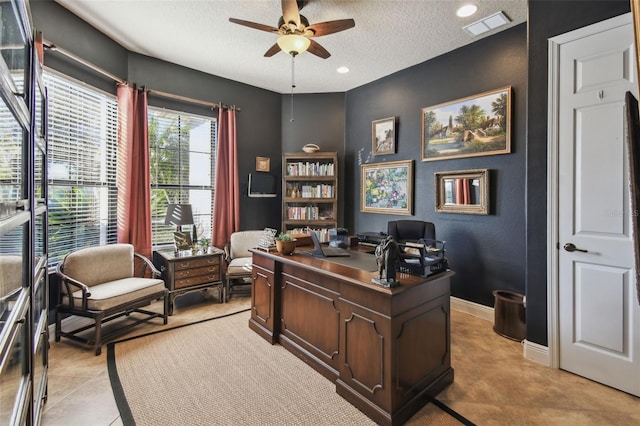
263 297
366 353
310 318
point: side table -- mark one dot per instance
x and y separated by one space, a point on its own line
182 274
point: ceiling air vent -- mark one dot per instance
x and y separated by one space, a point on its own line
487 24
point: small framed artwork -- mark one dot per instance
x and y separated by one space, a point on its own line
387 187
469 127
263 164
182 240
383 136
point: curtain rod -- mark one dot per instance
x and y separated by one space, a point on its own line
51 46
212 105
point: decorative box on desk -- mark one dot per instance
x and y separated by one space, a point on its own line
182 274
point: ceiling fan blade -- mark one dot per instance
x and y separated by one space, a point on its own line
254 25
272 51
330 27
318 50
290 12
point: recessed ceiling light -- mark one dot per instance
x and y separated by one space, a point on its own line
466 10
343 70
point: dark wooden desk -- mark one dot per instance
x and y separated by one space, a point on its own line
387 350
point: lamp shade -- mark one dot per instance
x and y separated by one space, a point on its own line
179 214
293 43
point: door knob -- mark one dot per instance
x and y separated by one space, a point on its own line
570 247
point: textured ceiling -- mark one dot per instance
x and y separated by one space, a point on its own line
389 35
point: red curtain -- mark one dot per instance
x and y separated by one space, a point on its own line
463 191
226 204
134 192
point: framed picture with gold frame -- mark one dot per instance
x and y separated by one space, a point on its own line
263 164
462 191
469 127
383 136
387 187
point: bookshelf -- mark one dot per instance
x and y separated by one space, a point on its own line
310 192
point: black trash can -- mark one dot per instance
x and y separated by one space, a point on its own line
509 315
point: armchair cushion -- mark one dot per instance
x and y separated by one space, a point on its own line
96 265
10 274
239 265
117 292
240 243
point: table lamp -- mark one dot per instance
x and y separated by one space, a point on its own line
178 215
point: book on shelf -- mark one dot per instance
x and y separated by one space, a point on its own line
308 168
309 213
310 191
322 233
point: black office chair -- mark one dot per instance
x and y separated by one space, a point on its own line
411 230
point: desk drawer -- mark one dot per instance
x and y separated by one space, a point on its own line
202 279
197 263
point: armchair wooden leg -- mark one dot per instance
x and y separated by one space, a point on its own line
165 315
227 290
98 334
58 325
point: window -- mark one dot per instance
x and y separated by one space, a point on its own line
182 157
81 166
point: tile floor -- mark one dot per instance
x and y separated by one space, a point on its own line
494 384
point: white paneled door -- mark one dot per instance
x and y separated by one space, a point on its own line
598 311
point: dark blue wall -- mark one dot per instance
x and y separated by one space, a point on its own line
487 252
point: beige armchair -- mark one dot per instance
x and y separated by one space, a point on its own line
239 260
100 283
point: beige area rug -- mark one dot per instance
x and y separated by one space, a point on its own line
219 372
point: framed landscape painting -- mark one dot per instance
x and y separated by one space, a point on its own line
468 127
383 136
387 187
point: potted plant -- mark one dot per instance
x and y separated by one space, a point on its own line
285 243
204 244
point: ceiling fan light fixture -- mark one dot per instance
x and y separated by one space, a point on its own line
293 43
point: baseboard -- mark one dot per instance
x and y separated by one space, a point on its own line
531 351
475 309
536 353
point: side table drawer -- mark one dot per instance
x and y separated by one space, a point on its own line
202 279
197 263
195 272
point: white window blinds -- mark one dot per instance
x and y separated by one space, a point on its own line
81 166
182 152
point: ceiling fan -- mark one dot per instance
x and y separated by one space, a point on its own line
296 33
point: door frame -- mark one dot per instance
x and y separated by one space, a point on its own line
555 43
